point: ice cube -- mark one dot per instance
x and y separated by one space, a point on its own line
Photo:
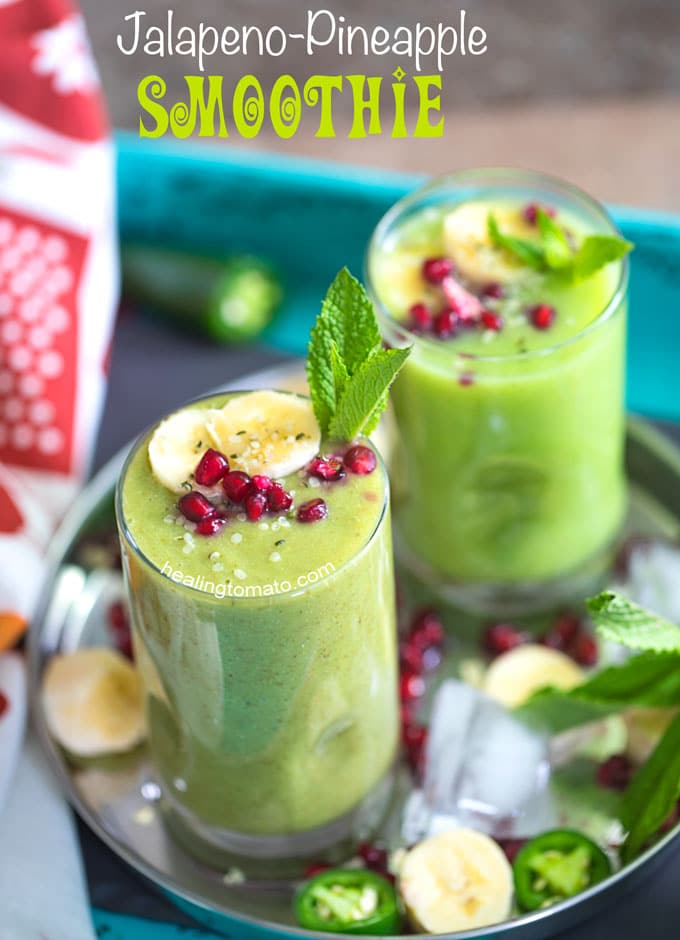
483 768
653 578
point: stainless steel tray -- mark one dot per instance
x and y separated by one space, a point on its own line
117 797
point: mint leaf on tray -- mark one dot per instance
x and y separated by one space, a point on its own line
650 679
652 793
619 619
349 372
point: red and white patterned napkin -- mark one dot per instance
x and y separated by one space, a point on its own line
58 277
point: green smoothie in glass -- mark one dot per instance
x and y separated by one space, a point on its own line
508 472
258 561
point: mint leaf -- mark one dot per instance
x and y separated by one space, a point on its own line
619 619
349 373
367 388
552 252
349 312
651 679
595 252
556 247
320 371
529 252
653 791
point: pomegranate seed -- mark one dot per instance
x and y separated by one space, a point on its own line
410 657
584 650
615 773
414 735
360 460
195 507
211 526
118 617
530 212
420 317
312 511
445 324
315 869
374 856
466 304
543 316
255 505
211 468
326 468
278 498
236 485
501 638
436 269
511 847
411 685
4 703
427 630
492 321
467 378
261 483
494 290
563 632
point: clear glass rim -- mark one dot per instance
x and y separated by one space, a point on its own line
479 177
280 596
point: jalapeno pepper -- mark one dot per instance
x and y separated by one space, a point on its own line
348 900
555 866
228 300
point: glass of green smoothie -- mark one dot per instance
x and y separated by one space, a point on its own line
507 474
258 565
257 555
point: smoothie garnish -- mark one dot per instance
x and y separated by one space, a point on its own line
312 511
348 369
553 252
494 263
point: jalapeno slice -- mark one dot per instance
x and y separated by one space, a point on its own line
557 865
348 900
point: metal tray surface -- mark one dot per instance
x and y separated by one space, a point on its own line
117 797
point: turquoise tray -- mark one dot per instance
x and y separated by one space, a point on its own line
309 219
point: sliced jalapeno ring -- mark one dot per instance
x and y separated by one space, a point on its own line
556 865
348 900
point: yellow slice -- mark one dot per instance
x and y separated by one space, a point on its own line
265 432
458 880
515 676
477 259
94 702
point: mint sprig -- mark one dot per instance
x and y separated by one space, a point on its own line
650 678
653 792
552 252
348 371
622 621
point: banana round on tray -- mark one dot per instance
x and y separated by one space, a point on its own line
457 880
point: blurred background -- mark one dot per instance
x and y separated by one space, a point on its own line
587 90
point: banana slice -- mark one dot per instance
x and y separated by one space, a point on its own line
457 880
260 432
515 676
176 446
266 432
94 702
466 240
